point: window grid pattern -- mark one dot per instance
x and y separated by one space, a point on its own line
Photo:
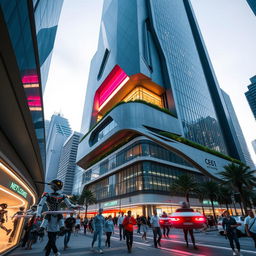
193 97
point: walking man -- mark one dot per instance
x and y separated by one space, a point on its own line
69 225
155 224
229 225
109 230
128 223
98 224
120 225
250 226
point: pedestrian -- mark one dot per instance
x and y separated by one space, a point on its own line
109 230
98 224
33 232
69 225
85 224
138 224
165 225
90 225
16 220
78 225
229 225
155 224
186 208
128 223
120 226
250 226
144 228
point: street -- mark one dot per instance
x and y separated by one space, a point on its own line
209 244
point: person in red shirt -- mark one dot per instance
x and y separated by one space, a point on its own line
128 223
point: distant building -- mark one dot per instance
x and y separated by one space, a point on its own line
254 145
78 181
59 131
67 164
46 127
237 132
251 95
252 4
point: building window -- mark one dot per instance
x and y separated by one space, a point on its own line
140 93
103 63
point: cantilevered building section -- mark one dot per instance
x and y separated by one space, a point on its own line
152 101
67 165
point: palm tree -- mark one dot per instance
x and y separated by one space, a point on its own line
211 190
87 198
200 194
239 177
184 184
74 199
224 196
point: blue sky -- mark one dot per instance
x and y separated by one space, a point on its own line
228 31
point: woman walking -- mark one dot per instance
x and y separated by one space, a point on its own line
109 230
144 228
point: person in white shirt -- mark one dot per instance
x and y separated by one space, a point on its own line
250 226
120 225
155 224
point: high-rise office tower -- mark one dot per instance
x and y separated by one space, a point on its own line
23 73
59 131
153 106
237 132
251 95
252 4
67 165
254 145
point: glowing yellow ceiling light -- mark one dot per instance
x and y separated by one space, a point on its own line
30 85
10 193
9 172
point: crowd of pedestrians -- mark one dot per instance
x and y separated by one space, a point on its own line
100 226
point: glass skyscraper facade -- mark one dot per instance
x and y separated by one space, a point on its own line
27 32
32 27
151 77
251 95
252 4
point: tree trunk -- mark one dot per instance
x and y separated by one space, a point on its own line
243 201
203 210
227 207
86 208
187 198
213 209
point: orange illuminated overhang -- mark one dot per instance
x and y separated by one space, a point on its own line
126 87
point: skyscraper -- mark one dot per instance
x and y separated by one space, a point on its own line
22 141
251 95
67 164
254 145
252 4
59 131
237 132
153 106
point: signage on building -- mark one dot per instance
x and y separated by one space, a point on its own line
108 204
18 189
208 202
211 163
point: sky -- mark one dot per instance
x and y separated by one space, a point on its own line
229 32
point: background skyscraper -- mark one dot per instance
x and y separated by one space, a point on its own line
67 164
151 78
237 132
251 95
252 4
59 131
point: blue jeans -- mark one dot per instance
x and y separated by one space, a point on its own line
67 237
97 233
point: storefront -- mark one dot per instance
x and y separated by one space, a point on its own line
15 194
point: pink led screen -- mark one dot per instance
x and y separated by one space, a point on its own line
110 84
